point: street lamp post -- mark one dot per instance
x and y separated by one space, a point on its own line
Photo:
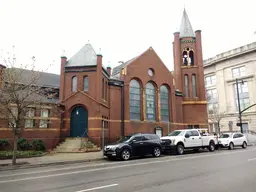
239 107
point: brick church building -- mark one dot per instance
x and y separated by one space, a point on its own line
140 95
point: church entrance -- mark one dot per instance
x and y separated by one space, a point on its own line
79 122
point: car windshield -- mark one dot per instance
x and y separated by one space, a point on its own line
124 139
225 135
177 133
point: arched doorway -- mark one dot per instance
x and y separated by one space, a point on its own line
79 122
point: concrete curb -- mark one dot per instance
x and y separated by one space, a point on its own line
24 166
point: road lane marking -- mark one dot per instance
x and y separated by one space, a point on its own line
59 169
93 165
121 166
96 188
253 159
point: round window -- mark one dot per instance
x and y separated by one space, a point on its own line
150 72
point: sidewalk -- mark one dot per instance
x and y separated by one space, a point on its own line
51 159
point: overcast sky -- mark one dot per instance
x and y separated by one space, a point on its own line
121 28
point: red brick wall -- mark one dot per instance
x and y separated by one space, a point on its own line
50 135
196 112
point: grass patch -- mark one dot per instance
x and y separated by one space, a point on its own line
21 154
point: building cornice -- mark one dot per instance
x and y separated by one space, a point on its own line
230 54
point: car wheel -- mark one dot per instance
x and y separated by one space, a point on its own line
231 146
157 152
244 145
211 146
125 155
180 149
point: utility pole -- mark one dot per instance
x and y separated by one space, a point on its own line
239 107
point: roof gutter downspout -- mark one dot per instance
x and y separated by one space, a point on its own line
122 110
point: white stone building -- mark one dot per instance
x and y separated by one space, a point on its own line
221 72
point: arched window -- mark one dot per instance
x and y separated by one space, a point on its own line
74 84
194 85
188 57
86 83
186 85
150 102
164 101
135 100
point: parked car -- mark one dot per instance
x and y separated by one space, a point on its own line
138 144
180 140
205 132
231 140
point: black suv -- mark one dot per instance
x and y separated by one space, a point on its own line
138 144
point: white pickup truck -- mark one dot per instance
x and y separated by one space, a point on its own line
179 140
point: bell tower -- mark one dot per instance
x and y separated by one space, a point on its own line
189 74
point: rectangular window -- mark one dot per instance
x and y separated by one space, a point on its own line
243 95
44 121
212 94
238 72
210 80
30 121
212 108
244 103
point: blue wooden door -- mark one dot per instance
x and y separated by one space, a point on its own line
79 122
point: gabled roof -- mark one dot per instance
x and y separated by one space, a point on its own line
86 56
186 29
45 79
119 68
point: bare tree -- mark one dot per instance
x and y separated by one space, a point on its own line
20 90
215 115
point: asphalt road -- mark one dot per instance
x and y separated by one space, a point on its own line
218 171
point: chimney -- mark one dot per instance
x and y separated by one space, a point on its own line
62 78
99 76
2 67
109 69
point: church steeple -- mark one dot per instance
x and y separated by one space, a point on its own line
186 29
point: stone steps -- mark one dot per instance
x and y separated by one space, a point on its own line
76 145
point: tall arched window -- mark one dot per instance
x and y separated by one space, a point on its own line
86 83
135 100
194 85
164 101
150 102
74 84
186 85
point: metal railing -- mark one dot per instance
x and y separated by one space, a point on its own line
82 139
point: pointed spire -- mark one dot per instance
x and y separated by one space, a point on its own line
186 29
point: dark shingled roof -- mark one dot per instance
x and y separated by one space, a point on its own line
45 79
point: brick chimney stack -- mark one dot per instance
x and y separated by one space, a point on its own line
109 69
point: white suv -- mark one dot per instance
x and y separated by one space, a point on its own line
231 140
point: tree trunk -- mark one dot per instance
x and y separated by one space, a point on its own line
14 155
219 127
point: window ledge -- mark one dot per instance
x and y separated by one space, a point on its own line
240 78
191 66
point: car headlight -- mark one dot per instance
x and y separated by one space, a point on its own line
173 142
113 147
